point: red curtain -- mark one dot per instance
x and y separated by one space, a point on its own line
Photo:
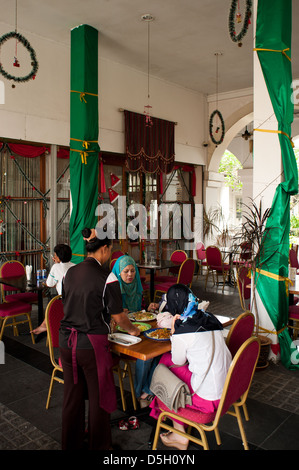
149 148
33 151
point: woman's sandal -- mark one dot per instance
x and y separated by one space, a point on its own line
144 402
126 425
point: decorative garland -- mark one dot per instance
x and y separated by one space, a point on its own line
231 22
26 44
214 113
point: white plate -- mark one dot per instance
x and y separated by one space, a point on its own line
124 339
132 317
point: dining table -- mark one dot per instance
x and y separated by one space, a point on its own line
156 265
21 283
149 348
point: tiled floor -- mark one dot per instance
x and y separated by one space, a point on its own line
25 424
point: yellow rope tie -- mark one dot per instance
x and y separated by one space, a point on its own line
276 277
276 132
83 154
85 143
283 51
82 94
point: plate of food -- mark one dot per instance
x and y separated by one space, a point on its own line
158 334
142 316
142 326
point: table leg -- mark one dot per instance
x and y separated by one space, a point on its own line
152 284
40 313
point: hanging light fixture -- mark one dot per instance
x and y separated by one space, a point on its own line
148 18
246 134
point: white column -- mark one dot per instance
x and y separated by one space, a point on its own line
267 162
53 198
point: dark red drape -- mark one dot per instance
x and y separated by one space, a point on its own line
33 151
149 148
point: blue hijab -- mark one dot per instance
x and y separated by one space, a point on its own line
131 293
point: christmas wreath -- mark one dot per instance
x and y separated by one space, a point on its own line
27 45
231 22
214 113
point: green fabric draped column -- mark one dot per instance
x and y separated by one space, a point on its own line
84 149
273 46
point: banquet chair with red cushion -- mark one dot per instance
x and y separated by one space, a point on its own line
234 395
244 283
13 311
14 268
178 256
116 254
185 276
53 316
294 320
293 259
216 265
201 257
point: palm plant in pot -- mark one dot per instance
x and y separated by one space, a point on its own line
254 233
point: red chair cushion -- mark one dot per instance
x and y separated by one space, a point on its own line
294 312
190 413
13 308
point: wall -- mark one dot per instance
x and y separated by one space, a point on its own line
38 110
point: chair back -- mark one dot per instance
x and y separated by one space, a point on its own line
240 331
214 257
178 255
112 263
186 272
239 376
242 281
116 254
200 251
293 259
54 314
11 268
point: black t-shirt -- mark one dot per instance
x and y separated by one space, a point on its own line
90 295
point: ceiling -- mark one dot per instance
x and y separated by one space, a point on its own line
184 36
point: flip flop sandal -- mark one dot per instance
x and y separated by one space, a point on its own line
133 422
144 402
123 425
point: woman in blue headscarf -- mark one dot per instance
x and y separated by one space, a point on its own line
128 276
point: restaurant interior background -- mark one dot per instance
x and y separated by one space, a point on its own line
183 67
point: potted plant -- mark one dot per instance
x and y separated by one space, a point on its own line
254 233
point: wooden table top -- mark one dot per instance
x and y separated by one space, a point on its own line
149 348
145 349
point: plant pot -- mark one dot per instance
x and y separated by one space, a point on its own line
263 362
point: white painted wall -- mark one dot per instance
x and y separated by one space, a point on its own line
38 110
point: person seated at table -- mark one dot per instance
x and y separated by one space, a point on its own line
62 262
128 276
200 361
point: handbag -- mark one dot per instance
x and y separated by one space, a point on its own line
171 390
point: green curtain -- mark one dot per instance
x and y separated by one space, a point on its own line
84 149
273 45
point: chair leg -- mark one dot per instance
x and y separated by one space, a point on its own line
30 327
121 387
245 412
241 427
132 386
50 390
2 328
